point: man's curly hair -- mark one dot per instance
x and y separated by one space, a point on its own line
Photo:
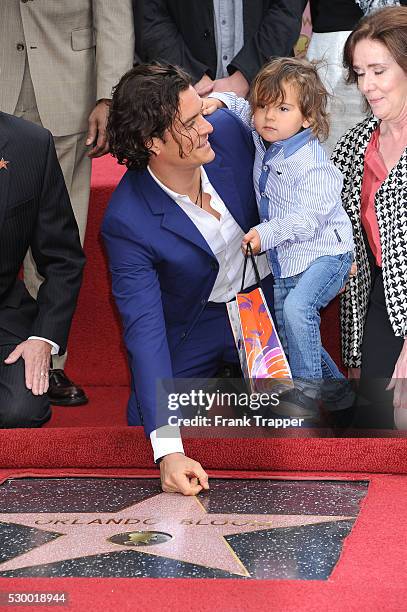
145 104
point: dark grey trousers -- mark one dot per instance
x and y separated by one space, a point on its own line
18 406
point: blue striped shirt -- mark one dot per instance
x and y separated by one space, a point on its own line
298 191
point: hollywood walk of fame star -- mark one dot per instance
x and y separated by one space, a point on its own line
196 536
3 163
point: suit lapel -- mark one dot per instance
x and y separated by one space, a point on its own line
4 177
174 218
222 179
177 221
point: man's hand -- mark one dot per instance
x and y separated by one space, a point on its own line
37 356
204 86
97 129
253 237
180 474
236 82
210 105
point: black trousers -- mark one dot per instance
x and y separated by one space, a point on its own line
380 347
18 406
380 351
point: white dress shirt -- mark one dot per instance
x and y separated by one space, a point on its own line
54 345
224 237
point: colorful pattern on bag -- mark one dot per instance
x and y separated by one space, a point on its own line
264 353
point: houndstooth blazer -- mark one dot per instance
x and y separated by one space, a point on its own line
391 210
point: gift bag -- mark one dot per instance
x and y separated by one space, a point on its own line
261 355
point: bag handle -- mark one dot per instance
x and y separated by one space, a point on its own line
249 251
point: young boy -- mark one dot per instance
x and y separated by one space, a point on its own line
304 228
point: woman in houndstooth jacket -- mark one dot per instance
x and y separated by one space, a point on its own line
373 159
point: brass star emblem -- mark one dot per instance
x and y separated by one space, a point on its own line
3 163
165 525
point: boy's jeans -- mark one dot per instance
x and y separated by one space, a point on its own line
297 303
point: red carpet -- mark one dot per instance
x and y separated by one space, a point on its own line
96 352
369 576
106 408
104 447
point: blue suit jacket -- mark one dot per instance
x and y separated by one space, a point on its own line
162 269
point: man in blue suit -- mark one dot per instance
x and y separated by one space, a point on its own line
173 231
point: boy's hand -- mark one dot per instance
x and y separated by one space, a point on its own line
210 105
253 237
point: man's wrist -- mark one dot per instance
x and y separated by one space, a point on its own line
53 345
166 441
158 461
239 78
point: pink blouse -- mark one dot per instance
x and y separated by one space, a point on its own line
375 172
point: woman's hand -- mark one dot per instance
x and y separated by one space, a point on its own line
210 105
399 380
353 373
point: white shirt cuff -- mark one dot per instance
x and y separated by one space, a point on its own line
223 97
165 445
55 347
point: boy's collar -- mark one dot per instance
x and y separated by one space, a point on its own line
292 144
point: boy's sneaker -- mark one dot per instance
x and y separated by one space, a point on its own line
295 403
337 395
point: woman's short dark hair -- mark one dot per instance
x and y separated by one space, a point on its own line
268 88
145 104
387 26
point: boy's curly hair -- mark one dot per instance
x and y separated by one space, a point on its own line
268 88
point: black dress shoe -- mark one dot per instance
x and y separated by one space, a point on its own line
63 392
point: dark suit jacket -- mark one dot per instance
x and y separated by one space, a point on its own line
35 212
163 270
182 32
